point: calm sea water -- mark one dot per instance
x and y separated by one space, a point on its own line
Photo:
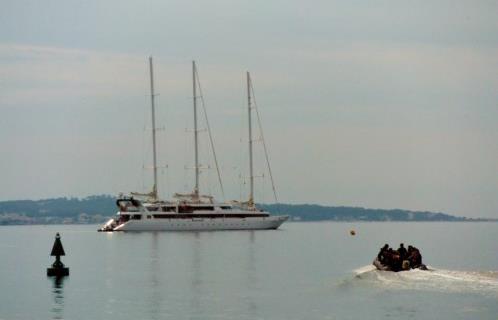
302 271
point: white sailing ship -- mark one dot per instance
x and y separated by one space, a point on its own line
193 211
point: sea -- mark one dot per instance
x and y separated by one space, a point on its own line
304 270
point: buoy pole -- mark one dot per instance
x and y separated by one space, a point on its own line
57 269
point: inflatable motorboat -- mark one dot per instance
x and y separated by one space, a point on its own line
404 267
402 259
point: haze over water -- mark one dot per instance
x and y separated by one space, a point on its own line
385 105
302 271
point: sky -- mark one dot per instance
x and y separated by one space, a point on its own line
385 104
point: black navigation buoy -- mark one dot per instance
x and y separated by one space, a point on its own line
57 269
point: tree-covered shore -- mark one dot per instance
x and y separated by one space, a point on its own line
96 209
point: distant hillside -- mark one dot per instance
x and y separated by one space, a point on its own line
96 209
313 212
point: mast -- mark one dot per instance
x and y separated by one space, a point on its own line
251 174
196 146
152 98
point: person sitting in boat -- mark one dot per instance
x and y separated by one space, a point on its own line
402 251
396 261
381 256
414 257
389 259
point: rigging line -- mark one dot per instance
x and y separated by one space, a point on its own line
143 147
264 143
241 150
185 144
165 144
209 133
168 187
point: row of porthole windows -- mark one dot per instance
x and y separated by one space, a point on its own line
212 224
208 224
150 217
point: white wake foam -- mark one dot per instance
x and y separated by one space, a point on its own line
433 280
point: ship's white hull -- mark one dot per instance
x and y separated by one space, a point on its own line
203 224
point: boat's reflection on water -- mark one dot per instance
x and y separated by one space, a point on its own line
196 290
196 283
57 309
156 300
251 276
203 297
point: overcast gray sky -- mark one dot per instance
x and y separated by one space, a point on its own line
384 104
